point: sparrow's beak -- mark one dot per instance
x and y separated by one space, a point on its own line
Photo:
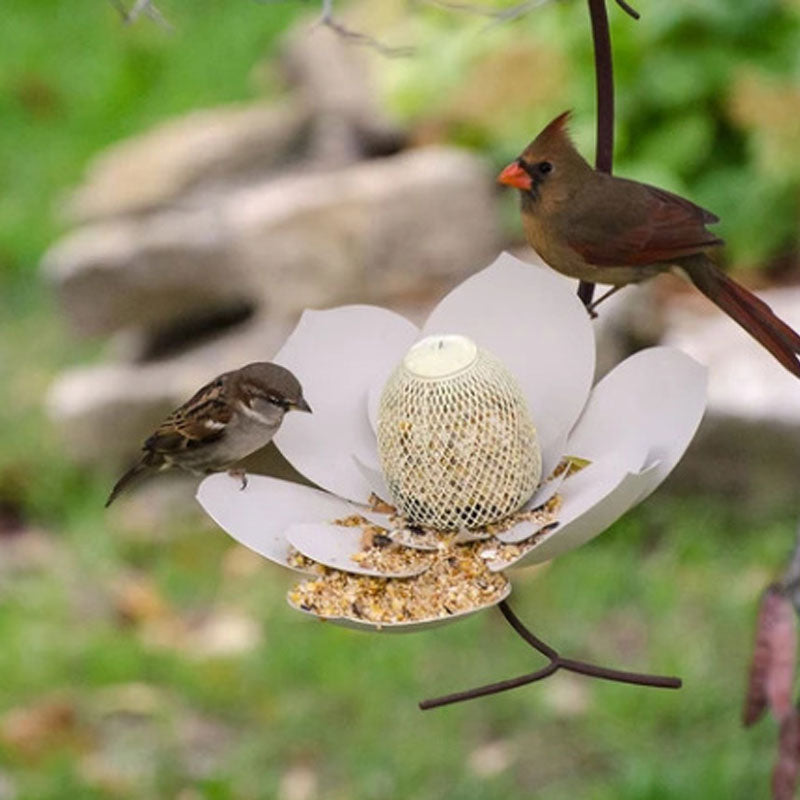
301 405
514 175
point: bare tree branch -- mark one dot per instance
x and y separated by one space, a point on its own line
141 8
356 37
497 15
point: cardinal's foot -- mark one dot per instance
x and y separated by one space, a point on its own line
241 475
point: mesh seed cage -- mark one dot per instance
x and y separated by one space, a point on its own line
455 437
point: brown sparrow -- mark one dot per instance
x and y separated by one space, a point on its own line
229 418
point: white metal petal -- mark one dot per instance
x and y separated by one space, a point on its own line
582 520
530 318
337 355
334 546
545 491
646 409
374 478
258 515
401 627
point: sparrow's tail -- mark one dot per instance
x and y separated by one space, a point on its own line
754 315
131 476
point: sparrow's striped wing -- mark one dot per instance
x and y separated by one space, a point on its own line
200 420
649 225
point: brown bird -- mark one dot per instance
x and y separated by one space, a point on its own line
600 228
232 416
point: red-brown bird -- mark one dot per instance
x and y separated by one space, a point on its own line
600 228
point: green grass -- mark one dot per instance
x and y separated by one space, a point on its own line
73 78
672 588
675 597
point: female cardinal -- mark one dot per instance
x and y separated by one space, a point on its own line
598 228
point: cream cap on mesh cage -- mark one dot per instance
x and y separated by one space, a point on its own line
456 441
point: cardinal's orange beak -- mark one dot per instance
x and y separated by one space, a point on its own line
514 175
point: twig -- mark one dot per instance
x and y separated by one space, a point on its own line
496 14
630 10
141 7
329 21
556 662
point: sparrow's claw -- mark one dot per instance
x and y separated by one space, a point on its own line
241 475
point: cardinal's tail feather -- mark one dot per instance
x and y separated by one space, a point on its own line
131 476
752 313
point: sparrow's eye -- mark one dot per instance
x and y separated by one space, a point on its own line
544 167
275 400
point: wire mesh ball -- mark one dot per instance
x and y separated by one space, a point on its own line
456 441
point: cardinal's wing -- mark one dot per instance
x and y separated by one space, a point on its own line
648 225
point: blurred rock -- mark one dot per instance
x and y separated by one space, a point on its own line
144 272
749 443
333 78
367 232
745 381
381 229
203 240
191 154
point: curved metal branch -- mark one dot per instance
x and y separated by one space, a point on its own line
556 662
604 77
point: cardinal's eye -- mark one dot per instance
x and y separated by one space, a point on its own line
544 167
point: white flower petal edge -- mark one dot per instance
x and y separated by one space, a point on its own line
581 524
530 318
334 546
636 426
337 355
401 627
259 515
374 478
647 408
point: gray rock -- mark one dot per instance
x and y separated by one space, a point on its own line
368 232
377 230
143 272
745 381
193 153
748 446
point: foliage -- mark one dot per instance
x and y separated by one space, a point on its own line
708 99
74 78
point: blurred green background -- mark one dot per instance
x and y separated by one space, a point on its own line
112 684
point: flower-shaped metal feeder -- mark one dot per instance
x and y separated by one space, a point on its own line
451 453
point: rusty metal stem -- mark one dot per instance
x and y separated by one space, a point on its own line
556 662
604 79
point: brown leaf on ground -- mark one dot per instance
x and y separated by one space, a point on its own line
774 655
137 600
32 730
